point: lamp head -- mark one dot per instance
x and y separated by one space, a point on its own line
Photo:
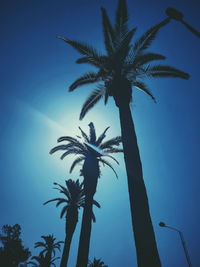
162 224
174 13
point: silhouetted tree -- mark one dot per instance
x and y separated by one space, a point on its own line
91 152
74 198
13 252
49 249
42 261
124 66
97 263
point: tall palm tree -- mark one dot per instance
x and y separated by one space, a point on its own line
74 198
91 151
97 263
49 247
125 66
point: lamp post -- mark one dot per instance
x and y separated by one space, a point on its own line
177 15
162 224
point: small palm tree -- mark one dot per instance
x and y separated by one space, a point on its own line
49 247
97 263
73 200
41 261
91 151
124 67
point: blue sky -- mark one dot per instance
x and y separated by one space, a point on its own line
36 109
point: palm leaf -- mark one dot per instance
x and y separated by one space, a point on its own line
64 210
142 59
92 133
87 78
166 71
124 45
112 142
55 199
57 148
108 31
113 150
96 204
146 39
72 151
99 62
108 164
81 47
101 137
95 96
84 135
78 160
121 18
141 86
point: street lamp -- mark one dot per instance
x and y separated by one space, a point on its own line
177 15
162 224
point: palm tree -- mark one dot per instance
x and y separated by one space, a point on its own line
49 247
123 67
74 198
91 152
41 261
97 263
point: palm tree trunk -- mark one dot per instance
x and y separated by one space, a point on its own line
71 222
65 255
146 248
90 173
86 227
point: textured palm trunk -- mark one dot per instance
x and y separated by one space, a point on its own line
90 174
71 222
146 248
48 259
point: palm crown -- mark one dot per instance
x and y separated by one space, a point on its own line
124 65
41 261
91 146
97 263
49 245
74 197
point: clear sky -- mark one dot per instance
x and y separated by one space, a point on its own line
36 70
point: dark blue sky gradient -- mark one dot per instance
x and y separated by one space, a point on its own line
35 109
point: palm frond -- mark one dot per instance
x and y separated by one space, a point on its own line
94 97
142 59
146 39
57 148
72 151
96 204
87 78
112 142
108 164
166 71
64 210
101 137
54 199
113 150
124 45
108 31
78 160
81 47
92 133
98 62
121 18
141 86
84 135
112 158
